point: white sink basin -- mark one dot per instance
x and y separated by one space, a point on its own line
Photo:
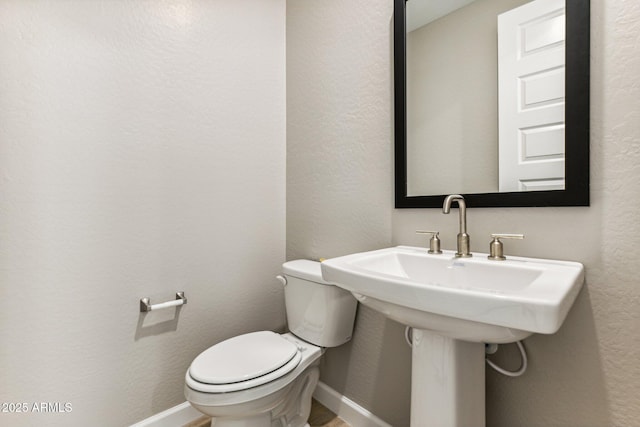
472 299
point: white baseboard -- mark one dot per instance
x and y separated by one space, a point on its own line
345 408
177 416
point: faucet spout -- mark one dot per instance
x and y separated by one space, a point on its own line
463 237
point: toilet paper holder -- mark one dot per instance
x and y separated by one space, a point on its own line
145 303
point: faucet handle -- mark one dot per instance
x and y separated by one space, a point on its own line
496 252
434 242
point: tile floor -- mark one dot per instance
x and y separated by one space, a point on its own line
320 417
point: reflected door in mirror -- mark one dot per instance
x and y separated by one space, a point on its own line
531 52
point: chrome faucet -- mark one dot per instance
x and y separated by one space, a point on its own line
463 237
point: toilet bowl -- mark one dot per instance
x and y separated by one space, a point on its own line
265 379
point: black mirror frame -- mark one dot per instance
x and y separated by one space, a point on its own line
577 76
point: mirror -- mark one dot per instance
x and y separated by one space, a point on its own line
472 116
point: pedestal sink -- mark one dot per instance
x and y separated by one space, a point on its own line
455 305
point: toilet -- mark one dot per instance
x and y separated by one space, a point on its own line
265 379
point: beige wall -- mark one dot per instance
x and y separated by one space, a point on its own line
338 129
588 373
339 197
142 151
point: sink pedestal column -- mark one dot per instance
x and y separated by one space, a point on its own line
447 381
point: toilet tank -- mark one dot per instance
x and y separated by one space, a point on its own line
317 311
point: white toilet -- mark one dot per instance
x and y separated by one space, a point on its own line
264 379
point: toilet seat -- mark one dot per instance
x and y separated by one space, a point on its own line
243 362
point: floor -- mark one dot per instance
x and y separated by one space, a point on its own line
323 417
320 417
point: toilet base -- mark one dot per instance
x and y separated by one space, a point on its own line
288 407
285 402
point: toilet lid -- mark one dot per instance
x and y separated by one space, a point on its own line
243 358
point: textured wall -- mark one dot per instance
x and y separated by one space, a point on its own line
142 151
339 197
338 129
585 375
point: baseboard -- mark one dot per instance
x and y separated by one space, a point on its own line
179 415
345 408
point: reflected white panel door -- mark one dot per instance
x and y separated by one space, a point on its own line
531 56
